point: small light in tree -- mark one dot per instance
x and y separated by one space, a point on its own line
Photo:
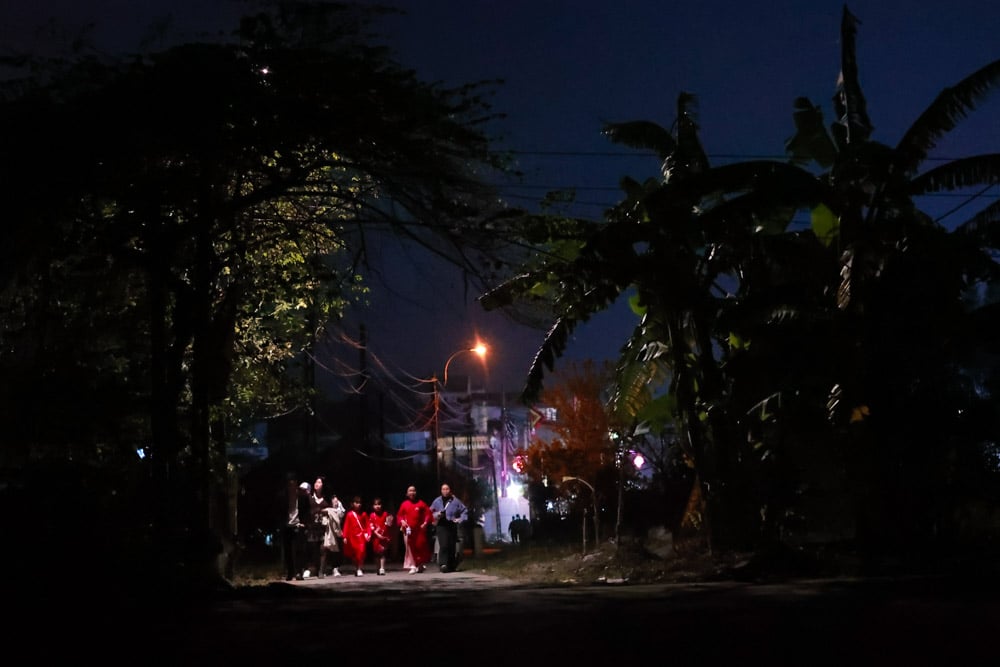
518 464
638 461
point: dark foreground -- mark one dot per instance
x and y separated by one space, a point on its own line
412 620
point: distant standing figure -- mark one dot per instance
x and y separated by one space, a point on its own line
514 528
413 518
356 535
380 526
449 514
523 530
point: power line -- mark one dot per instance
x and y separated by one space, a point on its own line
600 188
639 154
510 193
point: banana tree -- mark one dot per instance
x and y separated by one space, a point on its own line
762 338
902 292
682 246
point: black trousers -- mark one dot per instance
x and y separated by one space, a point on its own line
290 550
447 537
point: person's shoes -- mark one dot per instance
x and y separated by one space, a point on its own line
289 577
298 577
381 572
306 574
321 575
444 568
423 567
336 572
360 574
413 570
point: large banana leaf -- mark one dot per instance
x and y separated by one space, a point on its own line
984 227
642 134
853 125
690 157
643 366
950 106
957 174
811 141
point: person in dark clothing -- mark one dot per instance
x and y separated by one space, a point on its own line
293 530
449 514
523 529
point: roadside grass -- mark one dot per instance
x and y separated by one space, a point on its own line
541 562
532 562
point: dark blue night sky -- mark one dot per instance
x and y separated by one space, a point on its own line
569 66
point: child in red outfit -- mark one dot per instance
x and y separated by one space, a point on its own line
356 535
380 526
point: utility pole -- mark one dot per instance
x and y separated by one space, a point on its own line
621 497
503 443
363 389
437 426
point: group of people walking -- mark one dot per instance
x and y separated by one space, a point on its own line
321 535
519 528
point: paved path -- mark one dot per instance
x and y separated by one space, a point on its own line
398 579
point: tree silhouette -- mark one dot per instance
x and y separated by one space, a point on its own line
788 357
187 220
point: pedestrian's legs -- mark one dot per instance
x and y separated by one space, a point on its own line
446 546
299 552
288 548
408 560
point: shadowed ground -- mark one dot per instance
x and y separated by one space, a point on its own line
488 619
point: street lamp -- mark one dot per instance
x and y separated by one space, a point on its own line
479 349
593 495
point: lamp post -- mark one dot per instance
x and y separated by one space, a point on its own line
638 461
593 495
479 349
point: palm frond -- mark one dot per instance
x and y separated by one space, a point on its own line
970 171
643 366
551 349
983 227
642 134
950 106
504 294
576 290
689 157
811 141
853 125
778 178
